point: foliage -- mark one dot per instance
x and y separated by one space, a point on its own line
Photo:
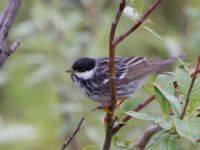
171 103
39 106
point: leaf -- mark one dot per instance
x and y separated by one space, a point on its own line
174 102
164 123
155 139
168 142
153 32
189 129
115 140
91 147
131 13
184 80
139 5
166 82
162 140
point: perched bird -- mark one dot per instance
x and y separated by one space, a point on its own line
91 76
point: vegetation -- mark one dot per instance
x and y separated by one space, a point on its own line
40 108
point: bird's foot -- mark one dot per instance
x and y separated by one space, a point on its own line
105 106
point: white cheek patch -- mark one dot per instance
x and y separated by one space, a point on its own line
85 75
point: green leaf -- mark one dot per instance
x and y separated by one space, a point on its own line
91 147
166 82
184 80
168 142
115 140
139 5
162 140
131 13
155 139
164 123
153 32
189 129
174 102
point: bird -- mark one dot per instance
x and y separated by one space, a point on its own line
91 76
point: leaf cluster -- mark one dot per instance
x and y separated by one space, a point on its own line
171 90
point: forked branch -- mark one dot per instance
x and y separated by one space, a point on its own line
7 17
112 45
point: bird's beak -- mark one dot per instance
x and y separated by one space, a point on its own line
70 71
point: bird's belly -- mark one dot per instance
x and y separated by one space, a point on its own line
125 91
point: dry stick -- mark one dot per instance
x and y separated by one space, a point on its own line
7 17
127 118
109 115
73 134
190 89
149 132
138 23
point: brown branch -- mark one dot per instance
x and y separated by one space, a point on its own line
112 52
7 17
127 118
112 45
149 132
66 143
109 116
190 89
138 23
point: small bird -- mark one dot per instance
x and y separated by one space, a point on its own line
91 76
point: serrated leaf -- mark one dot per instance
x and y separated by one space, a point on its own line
91 147
184 80
164 123
166 82
174 102
131 13
189 129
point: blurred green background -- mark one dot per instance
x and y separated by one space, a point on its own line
39 106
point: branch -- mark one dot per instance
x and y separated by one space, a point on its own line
73 134
127 118
7 17
138 23
112 45
190 88
149 132
109 116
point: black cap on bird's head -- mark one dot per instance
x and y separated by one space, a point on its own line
83 64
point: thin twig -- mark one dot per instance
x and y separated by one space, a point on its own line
149 132
127 118
73 134
138 23
190 89
7 17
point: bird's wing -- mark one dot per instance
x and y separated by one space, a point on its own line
129 68
139 67
121 69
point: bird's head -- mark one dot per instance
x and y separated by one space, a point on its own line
83 68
